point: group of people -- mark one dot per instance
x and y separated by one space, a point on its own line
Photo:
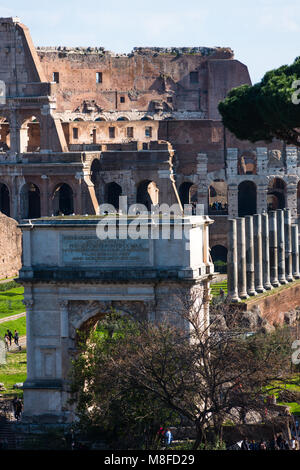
165 437
277 443
9 336
218 206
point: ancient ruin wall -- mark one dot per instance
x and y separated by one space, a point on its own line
148 79
10 247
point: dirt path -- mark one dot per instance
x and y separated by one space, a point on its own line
12 317
22 343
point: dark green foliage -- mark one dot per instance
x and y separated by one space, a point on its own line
265 110
4 286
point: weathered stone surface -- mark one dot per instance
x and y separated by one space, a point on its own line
10 247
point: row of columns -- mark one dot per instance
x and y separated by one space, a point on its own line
263 253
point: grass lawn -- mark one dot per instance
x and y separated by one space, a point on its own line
19 325
215 288
14 371
11 302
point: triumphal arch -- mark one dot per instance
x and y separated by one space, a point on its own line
73 275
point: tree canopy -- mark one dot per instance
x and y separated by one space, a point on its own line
267 110
146 375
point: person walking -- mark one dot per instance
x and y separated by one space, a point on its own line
9 334
6 340
16 338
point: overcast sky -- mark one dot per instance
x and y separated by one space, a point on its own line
264 34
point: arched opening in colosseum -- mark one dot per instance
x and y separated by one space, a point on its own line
30 201
246 198
276 196
247 164
112 193
98 119
219 258
30 135
4 199
187 193
62 200
147 194
122 118
218 198
4 134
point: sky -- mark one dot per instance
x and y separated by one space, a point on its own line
264 34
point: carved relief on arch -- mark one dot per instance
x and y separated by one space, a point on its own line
247 164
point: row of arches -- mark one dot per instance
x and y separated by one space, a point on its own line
30 200
147 193
30 134
247 197
120 118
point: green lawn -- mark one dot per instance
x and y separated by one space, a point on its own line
19 325
215 288
14 371
11 302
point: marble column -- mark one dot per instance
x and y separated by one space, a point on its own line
241 257
250 255
295 251
232 271
258 254
273 248
265 251
288 245
281 247
232 194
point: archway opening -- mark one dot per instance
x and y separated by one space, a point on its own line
276 194
112 193
4 135
30 200
63 200
247 164
122 118
219 258
246 198
4 200
30 135
188 193
217 198
147 194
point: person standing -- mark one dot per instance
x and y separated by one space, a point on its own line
245 445
168 437
19 408
14 404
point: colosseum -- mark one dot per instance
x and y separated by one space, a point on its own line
82 126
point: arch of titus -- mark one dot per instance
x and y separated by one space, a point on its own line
72 278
